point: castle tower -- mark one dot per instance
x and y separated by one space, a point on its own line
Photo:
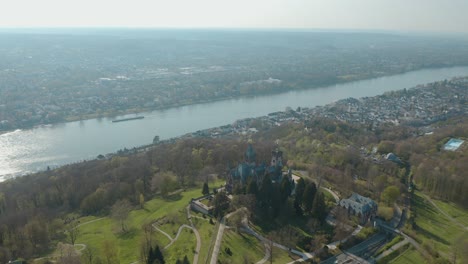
277 158
250 154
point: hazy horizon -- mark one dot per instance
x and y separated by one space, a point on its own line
429 16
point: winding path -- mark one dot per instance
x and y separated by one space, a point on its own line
197 235
89 222
219 237
337 198
192 227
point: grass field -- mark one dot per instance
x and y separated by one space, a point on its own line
243 247
128 244
207 232
184 246
433 228
281 256
410 256
455 211
171 209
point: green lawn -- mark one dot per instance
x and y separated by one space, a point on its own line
244 247
281 256
433 228
207 232
410 256
128 244
185 245
455 211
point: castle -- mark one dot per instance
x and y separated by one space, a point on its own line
250 170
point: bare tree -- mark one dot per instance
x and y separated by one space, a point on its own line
146 241
68 254
120 211
110 252
89 255
73 232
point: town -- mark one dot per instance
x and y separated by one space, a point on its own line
76 83
419 106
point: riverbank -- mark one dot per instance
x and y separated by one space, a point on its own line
141 110
56 145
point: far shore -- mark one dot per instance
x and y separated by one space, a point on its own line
182 104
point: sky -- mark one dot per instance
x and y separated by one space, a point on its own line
402 15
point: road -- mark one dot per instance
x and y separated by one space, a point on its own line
363 248
219 238
197 235
337 198
393 248
410 239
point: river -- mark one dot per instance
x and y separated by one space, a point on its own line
30 150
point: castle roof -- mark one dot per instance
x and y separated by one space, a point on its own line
358 203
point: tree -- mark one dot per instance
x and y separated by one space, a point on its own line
221 204
158 256
206 189
300 187
319 209
146 241
266 192
390 195
89 254
73 232
36 230
164 182
252 188
110 252
151 257
68 254
142 201
308 196
120 211
285 189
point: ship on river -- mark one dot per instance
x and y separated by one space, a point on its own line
127 119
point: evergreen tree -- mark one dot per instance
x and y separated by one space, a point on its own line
319 209
185 261
266 192
308 196
252 188
151 257
298 208
285 188
300 187
158 255
221 204
206 189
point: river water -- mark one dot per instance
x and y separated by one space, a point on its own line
30 150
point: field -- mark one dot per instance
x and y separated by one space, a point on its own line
128 244
244 248
170 211
434 229
455 211
410 256
436 232
207 232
